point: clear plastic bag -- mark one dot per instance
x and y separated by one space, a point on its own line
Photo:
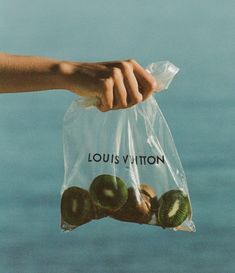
124 164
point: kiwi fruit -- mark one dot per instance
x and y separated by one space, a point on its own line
134 210
76 206
108 192
172 209
147 190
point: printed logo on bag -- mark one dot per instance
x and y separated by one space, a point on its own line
126 159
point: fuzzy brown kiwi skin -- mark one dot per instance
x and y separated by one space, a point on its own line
151 193
82 213
147 190
165 204
134 211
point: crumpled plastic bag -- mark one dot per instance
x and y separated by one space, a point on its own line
123 164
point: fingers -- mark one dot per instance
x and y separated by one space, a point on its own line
147 83
127 85
120 92
133 91
107 96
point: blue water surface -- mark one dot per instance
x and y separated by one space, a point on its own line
199 107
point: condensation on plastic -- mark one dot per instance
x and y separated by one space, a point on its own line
137 131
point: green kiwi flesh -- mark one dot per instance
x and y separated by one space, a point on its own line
172 209
76 207
108 192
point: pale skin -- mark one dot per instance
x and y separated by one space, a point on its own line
118 84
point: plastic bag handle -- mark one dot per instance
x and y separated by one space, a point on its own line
163 71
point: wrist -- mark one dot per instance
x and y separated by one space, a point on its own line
66 74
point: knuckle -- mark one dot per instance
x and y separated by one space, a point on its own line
107 83
152 84
102 109
123 104
146 95
131 61
107 105
146 92
137 99
125 66
116 72
105 108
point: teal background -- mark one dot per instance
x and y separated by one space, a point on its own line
197 36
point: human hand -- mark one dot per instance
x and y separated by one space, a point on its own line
118 84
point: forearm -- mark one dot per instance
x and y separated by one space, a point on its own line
117 84
29 73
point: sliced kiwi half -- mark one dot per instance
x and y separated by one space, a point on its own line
76 206
172 209
108 192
